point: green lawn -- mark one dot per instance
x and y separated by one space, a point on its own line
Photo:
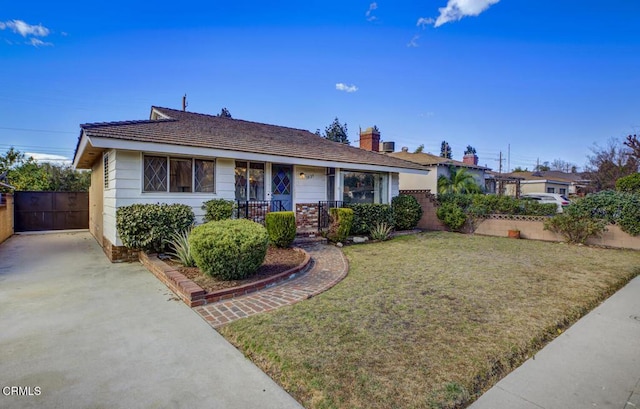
429 321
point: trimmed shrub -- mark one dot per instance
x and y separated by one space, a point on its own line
576 229
367 215
451 215
629 183
406 212
629 220
340 224
218 209
229 249
281 227
149 227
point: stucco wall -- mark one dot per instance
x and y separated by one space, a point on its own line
534 230
430 181
6 218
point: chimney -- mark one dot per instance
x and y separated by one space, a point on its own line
470 159
370 139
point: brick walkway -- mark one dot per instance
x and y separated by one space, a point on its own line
329 267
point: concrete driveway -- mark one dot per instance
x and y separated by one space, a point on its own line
79 332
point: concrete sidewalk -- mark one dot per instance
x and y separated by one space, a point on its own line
594 364
77 331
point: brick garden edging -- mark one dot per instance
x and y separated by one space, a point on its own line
193 295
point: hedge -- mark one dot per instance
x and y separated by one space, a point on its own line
281 227
149 227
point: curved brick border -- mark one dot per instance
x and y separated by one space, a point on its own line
193 295
330 266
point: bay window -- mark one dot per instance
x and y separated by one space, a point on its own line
365 187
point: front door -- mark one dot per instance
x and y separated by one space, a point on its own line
281 185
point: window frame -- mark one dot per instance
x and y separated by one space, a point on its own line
168 159
380 186
247 176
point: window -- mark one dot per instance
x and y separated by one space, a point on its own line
361 187
162 174
105 165
249 180
563 191
331 184
551 190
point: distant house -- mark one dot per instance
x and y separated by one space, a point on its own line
551 182
437 166
189 158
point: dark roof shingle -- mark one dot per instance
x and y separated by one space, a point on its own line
208 131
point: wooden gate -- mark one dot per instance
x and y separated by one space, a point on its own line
38 211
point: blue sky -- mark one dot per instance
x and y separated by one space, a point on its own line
537 79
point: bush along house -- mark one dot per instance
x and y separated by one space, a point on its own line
183 157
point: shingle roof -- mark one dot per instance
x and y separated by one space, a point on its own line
208 131
427 159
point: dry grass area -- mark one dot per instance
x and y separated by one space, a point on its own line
429 321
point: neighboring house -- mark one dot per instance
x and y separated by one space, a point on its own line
437 166
189 158
553 181
544 182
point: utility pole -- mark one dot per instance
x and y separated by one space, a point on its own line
500 160
184 102
508 158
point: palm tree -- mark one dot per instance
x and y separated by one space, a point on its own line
459 181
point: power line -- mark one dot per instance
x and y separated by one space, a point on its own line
34 130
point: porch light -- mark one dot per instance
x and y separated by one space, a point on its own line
302 175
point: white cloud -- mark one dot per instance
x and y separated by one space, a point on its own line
422 22
346 88
45 157
24 29
457 9
373 6
414 41
38 43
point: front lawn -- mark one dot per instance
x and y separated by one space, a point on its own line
429 321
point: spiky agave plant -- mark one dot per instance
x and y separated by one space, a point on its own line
381 231
181 249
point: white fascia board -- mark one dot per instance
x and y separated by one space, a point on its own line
84 141
168 149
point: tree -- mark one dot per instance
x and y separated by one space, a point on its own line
562 166
633 143
459 181
337 132
542 168
419 149
445 150
610 163
519 169
470 150
224 113
629 183
25 173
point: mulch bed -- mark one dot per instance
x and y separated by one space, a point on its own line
277 261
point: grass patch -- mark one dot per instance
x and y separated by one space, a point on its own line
429 321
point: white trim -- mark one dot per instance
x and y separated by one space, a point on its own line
556 182
169 149
84 141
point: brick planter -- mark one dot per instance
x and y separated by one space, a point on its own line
193 295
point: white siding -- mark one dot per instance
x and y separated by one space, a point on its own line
395 185
127 189
313 188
